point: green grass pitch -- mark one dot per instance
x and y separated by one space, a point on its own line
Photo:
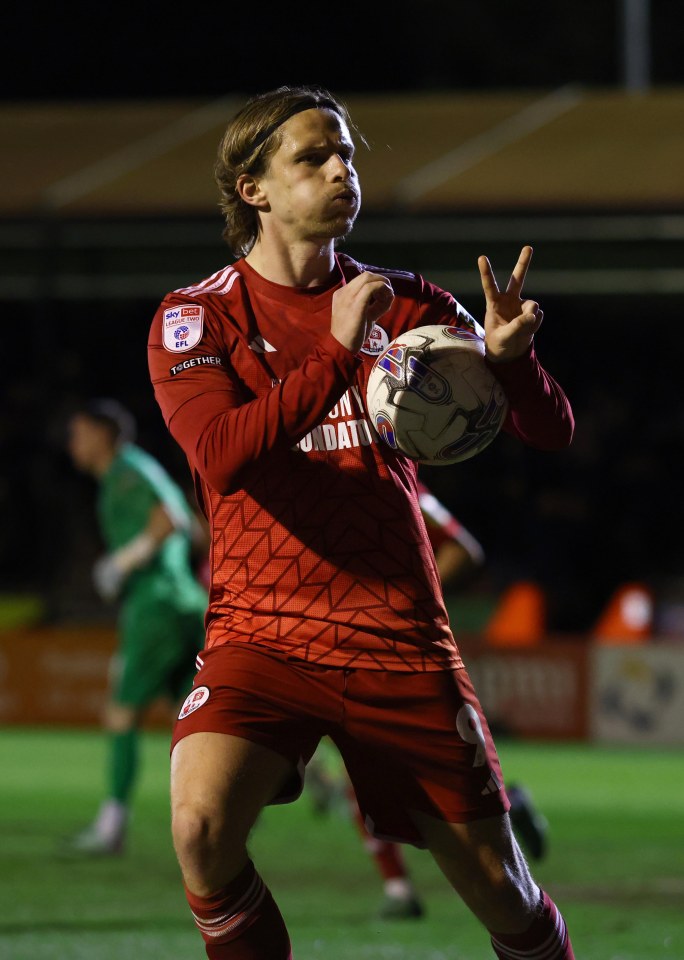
615 865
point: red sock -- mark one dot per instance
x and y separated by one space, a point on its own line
241 921
388 857
546 939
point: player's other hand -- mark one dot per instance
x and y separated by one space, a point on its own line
108 578
357 306
510 322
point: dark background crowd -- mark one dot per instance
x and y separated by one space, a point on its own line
91 53
581 522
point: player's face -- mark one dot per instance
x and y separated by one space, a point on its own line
86 442
311 187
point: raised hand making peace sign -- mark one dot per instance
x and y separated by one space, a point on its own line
510 322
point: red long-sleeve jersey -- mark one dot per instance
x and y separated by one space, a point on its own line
318 545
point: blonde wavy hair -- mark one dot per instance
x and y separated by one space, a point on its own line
250 140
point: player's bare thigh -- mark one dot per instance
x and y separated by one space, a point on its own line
219 785
482 861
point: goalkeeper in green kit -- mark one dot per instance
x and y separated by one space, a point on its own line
147 526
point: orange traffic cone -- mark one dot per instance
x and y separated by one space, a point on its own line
519 620
627 617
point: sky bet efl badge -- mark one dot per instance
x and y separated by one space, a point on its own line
183 327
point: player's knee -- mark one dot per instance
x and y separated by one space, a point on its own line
193 832
208 854
193 840
120 718
202 840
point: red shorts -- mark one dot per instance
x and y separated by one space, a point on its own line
409 741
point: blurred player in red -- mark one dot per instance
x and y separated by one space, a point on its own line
326 615
458 555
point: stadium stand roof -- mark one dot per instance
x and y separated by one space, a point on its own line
569 149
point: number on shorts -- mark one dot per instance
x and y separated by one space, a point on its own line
470 729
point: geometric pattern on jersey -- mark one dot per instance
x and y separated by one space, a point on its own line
321 551
339 574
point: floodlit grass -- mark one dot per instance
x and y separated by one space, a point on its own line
615 865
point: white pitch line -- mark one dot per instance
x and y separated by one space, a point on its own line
134 155
467 154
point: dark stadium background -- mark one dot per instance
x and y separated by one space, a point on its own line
582 522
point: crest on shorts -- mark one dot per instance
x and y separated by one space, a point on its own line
182 327
194 700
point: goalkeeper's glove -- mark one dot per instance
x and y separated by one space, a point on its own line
111 571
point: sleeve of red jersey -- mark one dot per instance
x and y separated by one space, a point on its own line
539 412
220 425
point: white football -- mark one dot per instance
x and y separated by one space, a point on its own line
431 396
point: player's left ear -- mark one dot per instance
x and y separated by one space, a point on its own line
250 190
